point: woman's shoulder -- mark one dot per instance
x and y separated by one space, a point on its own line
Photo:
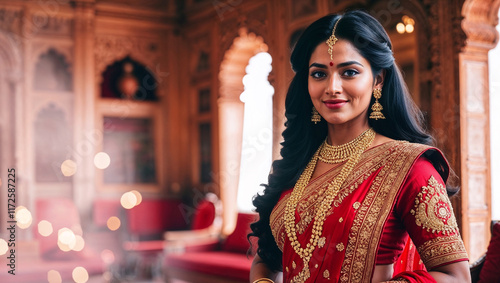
416 154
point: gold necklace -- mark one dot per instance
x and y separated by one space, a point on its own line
333 188
333 154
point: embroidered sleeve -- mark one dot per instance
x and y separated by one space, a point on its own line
427 214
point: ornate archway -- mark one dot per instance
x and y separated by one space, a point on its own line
230 107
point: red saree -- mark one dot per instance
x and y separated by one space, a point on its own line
385 198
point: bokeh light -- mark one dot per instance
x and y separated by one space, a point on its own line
80 275
77 229
107 276
79 243
128 200
138 196
409 28
67 238
54 276
107 256
400 27
3 247
102 160
113 223
68 167
45 228
23 217
63 247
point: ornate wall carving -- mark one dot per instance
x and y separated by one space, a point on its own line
10 19
42 24
109 48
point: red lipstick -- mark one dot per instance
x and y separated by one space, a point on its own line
335 103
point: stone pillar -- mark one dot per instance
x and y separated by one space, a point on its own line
86 134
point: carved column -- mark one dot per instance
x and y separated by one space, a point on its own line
479 26
86 136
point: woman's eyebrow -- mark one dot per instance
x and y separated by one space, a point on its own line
340 65
317 65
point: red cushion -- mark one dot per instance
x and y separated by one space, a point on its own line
204 215
61 213
237 241
154 216
490 273
218 263
104 209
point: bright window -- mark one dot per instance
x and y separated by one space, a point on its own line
256 152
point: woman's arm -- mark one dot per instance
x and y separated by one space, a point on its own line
260 270
454 272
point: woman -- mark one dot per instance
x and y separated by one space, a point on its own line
357 174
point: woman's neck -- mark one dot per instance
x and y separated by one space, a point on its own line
341 134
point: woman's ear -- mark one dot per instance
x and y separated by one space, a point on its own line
379 79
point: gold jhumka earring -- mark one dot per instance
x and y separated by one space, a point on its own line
332 40
315 117
377 107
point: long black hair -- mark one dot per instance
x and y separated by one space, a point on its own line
403 121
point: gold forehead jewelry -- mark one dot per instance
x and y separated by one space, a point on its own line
332 40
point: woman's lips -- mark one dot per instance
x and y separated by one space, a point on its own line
335 103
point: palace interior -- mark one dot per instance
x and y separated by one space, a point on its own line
133 134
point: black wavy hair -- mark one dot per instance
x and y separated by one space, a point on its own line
404 121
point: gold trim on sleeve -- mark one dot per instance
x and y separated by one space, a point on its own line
442 250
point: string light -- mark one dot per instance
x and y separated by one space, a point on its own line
54 276
45 228
102 160
80 275
113 223
3 247
128 200
406 26
68 167
23 217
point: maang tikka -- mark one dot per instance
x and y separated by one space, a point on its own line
332 40
377 107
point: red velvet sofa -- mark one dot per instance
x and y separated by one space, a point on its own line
214 260
487 268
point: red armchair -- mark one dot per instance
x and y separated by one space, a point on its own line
223 260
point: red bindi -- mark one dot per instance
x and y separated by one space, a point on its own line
331 63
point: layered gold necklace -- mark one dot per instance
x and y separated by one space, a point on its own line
356 148
333 154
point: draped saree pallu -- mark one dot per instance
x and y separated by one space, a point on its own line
353 228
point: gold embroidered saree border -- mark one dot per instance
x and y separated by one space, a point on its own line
370 161
367 226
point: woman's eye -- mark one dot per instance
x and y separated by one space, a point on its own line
350 73
318 74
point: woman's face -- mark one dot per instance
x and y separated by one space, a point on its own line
341 88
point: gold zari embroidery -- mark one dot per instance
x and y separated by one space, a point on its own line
340 247
326 274
433 210
442 250
321 242
356 205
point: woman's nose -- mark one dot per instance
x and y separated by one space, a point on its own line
334 84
